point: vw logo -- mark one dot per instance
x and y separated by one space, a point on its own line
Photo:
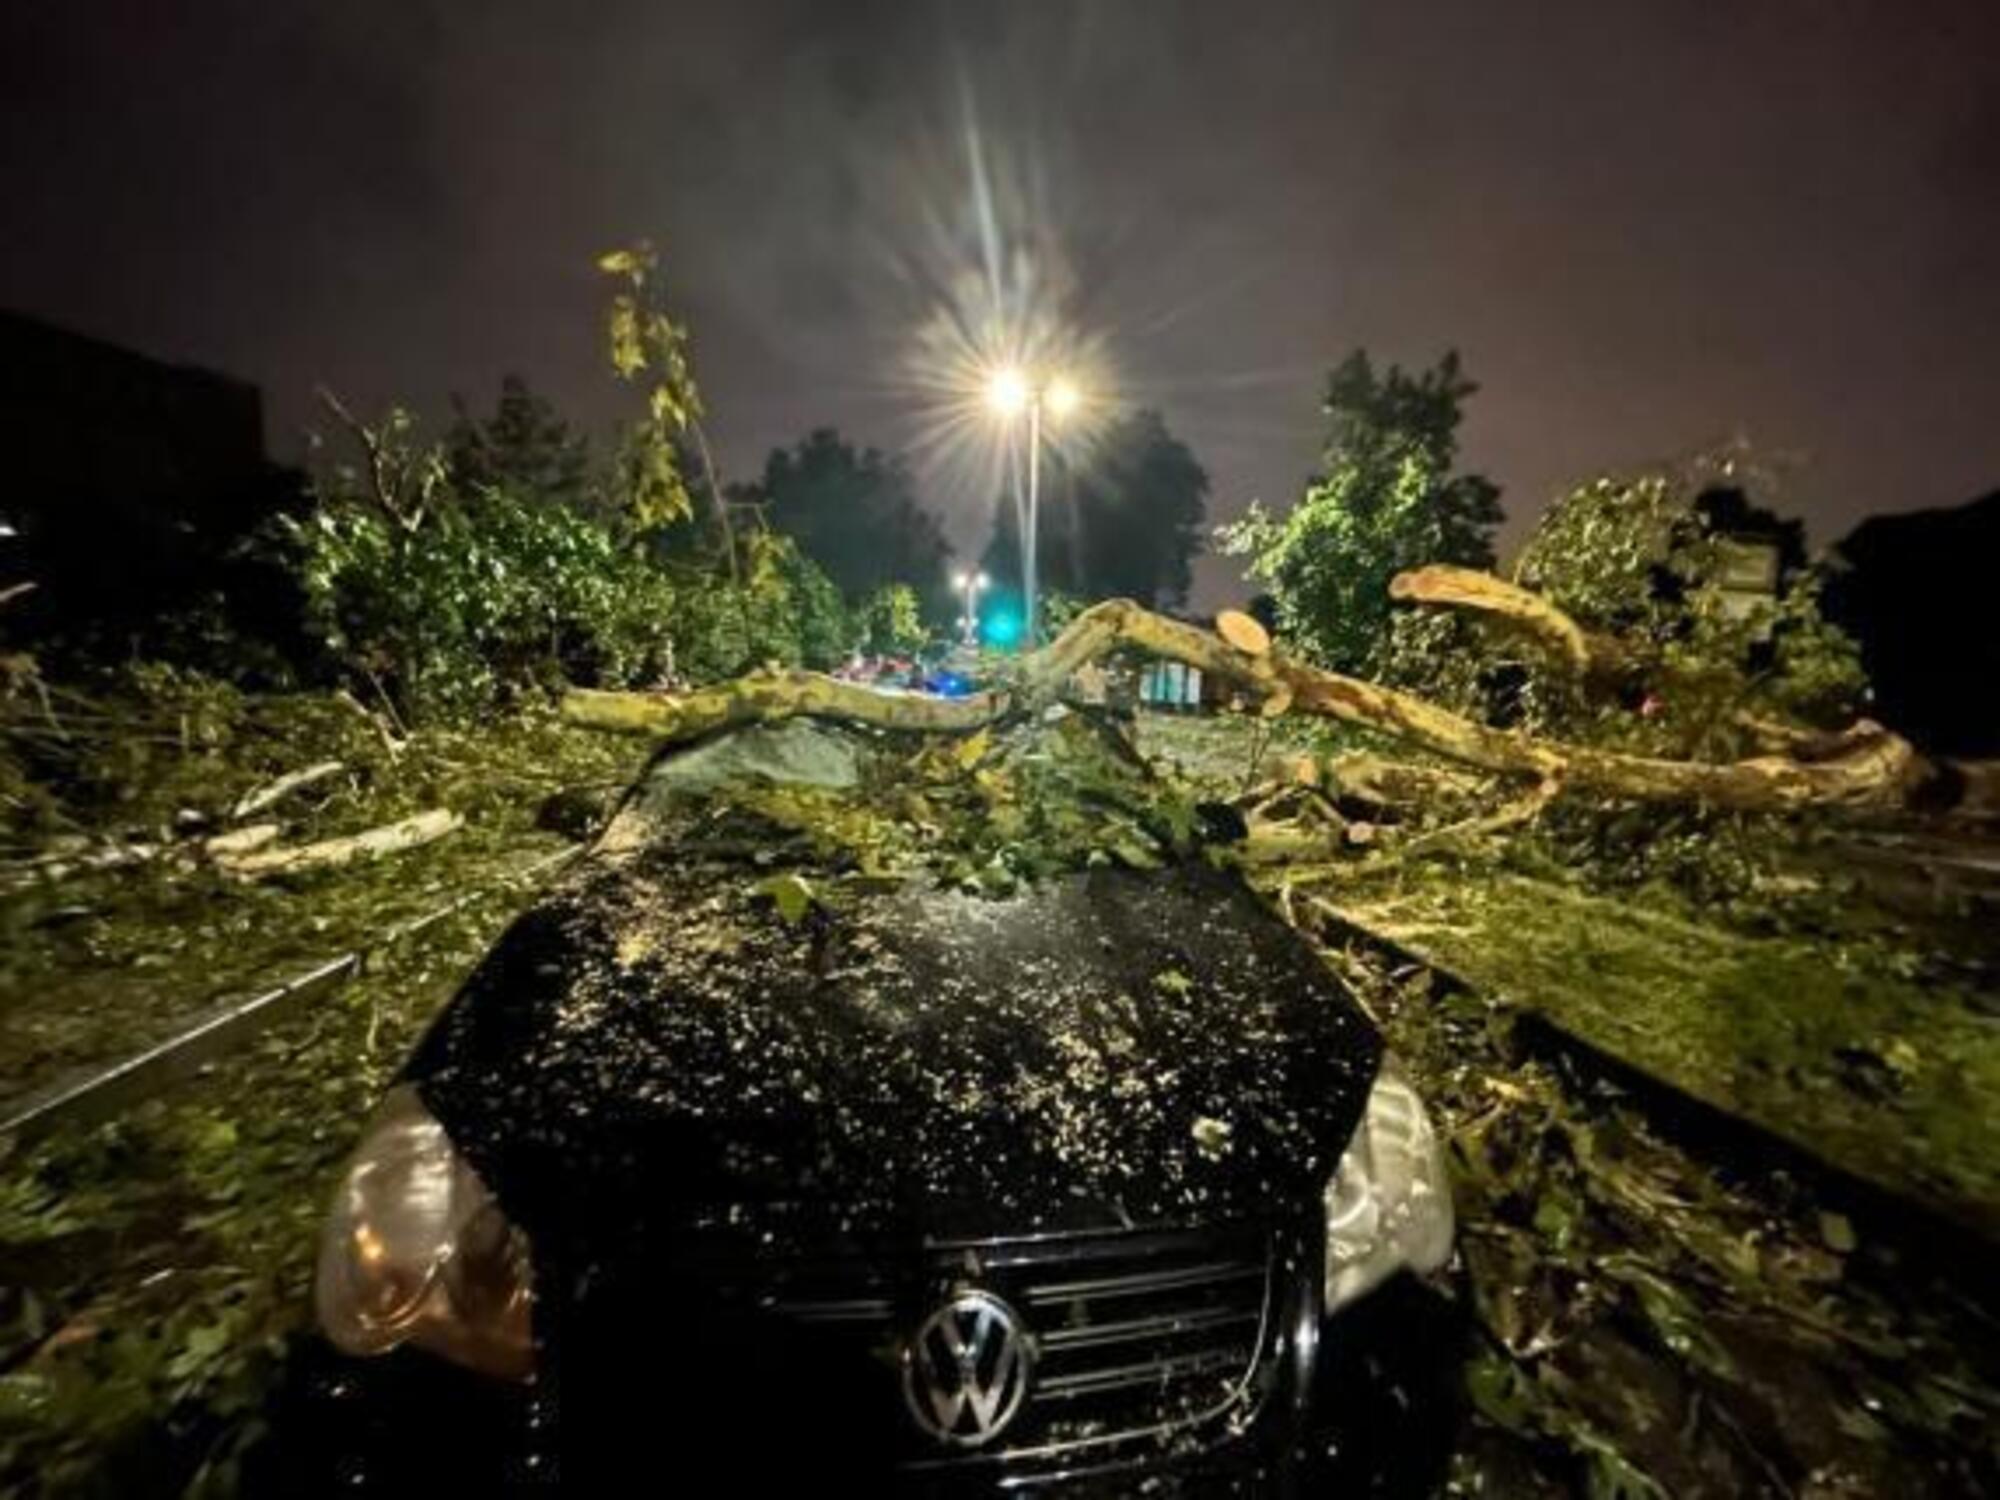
966 1369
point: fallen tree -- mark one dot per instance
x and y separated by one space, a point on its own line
1866 766
1605 666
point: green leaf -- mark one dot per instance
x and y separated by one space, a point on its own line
791 894
628 354
1555 1216
1837 1231
1500 1392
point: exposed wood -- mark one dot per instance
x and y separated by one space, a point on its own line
390 838
259 798
1243 632
1277 701
1878 769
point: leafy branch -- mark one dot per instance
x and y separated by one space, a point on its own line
648 345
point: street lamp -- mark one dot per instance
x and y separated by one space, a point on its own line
971 585
1009 392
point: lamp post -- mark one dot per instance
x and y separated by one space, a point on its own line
970 585
1010 393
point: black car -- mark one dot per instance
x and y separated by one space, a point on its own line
916 1189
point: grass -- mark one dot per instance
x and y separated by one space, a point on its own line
98 965
1849 1051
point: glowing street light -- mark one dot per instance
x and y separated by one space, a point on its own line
1009 392
971 585
1062 397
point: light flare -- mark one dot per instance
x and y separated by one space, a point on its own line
1007 392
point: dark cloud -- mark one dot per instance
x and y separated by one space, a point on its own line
1646 226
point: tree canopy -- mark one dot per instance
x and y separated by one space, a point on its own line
1387 498
525 446
855 512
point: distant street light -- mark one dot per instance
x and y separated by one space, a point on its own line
1063 398
971 585
1009 392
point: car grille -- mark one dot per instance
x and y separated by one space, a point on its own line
1168 1336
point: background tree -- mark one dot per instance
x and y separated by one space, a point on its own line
1387 498
855 512
448 605
524 446
1121 516
890 621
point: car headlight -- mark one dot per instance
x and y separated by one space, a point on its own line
1389 1204
416 1251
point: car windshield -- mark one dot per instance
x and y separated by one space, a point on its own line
985 811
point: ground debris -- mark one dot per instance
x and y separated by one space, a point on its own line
1655 1322
1648 1316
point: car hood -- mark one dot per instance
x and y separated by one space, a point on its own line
665 1043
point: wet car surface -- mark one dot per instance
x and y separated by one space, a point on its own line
918 1184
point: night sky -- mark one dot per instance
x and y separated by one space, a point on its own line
1645 226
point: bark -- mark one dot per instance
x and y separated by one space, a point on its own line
272 792
80 861
240 841
1395 785
390 838
1870 767
766 697
1601 662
